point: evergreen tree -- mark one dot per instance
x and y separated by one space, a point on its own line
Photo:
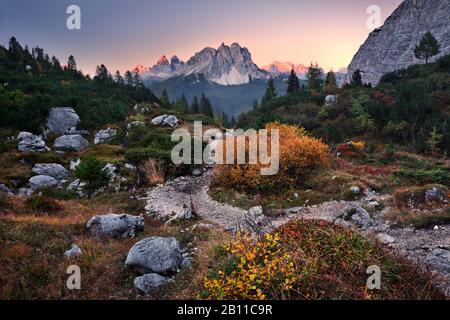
206 107
232 122
314 76
92 172
137 81
428 47
356 79
181 104
165 100
293 83
102 74
330 82
71 63
194 106
128 78
15 50
271 92
55 63
118 78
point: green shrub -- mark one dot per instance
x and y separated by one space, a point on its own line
60 194
92 172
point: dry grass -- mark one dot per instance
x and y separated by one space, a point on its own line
153 171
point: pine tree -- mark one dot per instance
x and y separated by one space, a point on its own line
15 50
102 74
293 83
356 79
194 106
206 107
232 122
271 92
428 47
128 78
165 100
314 76
137 81
118 78
330 82
71 63
181 104
55 63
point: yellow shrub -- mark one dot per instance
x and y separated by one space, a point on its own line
260 267
300 156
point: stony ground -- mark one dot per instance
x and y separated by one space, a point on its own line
430 248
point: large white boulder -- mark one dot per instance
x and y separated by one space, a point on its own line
104 135
155 255
165 121
43 181
71 142
54 170
29 142
62 119
115 225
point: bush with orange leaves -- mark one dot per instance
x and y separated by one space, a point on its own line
300 156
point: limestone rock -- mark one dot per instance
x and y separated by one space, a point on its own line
155 255
43 181
148 283
115 225
53 170
62 119
29 142
71 142
391 47
104 135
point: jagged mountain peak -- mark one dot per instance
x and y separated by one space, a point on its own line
391 47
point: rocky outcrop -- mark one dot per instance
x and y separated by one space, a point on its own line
73 252
29 142
5 190
62 119
148 283
155 255
115 225
165 120
53 170
104 135
42 181
391 47
71 142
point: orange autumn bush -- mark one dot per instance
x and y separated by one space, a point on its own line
300 156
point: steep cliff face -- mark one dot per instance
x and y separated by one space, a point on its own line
391 47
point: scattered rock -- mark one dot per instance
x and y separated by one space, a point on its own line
74 164
330 99
196 172
358 216
29 142
71 142
130 167
141 109
5 190
43 181
25 192
385 238
165 120
185 214
435 194
62 119
111 169
155 255
187 262
104 135
135 124
148 283
440 259
355 190
73 252
53 170
74 130
115 225
77 186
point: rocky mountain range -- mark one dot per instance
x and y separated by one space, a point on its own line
278 67
391 47
227 65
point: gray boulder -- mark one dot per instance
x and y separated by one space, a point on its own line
104 135
5 190
29 142
165 120
330 99
115 225
148 283
155 255
357 216
62 119
71 142
73 252
42 181
25 192
54 170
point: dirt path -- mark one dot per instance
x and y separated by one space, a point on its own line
429 248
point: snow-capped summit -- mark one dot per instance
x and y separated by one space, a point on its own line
227 65
277 68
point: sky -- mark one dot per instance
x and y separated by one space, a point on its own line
124 33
